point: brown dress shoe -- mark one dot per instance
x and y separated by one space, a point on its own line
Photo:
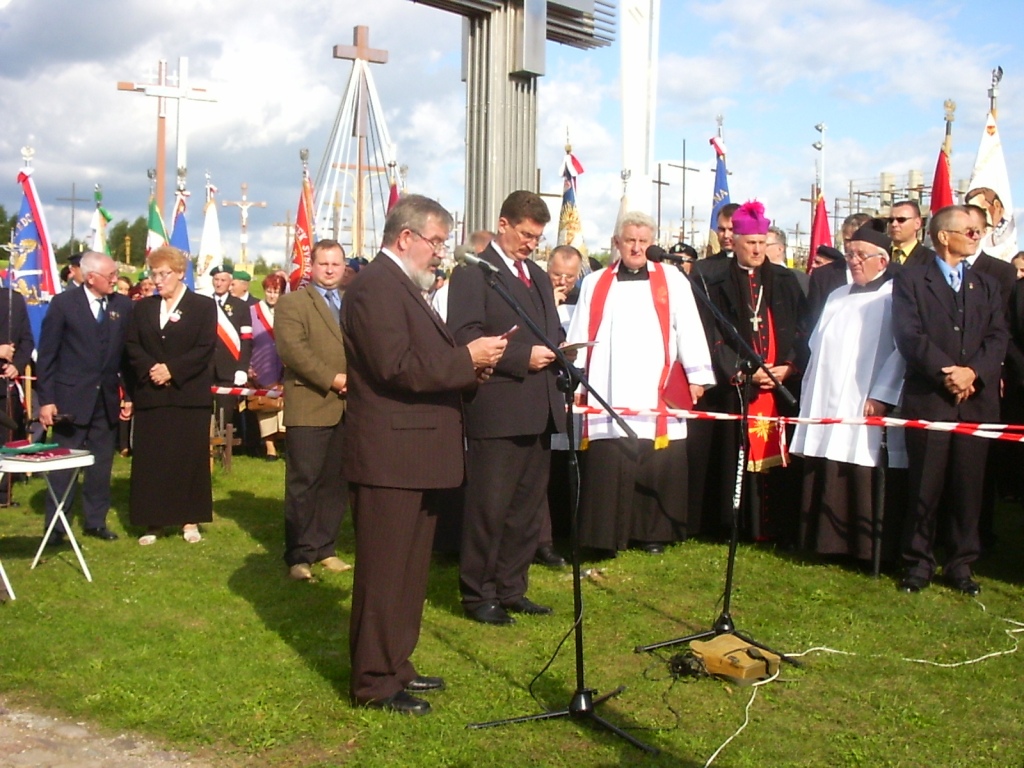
335 564
300 572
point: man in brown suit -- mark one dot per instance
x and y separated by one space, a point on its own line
308 335
403 443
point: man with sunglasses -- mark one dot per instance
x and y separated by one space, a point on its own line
949 325
510 418
904 228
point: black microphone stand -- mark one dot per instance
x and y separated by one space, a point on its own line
750 361
583 702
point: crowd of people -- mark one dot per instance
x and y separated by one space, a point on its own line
433 411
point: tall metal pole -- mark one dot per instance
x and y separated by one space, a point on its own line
820 146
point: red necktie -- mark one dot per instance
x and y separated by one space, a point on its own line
522 274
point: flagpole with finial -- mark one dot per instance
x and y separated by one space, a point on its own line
993 92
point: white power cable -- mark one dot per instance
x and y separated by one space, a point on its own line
1013 634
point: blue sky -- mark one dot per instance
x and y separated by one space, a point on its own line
875 72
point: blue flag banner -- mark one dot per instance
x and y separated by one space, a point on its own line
33 267
179 239
720 199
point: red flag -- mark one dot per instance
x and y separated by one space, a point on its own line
302 247
392 196
942 188
820 233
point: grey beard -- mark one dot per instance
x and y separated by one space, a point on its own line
424 280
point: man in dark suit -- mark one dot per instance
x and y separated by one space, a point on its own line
949 326
403 443
309 342
510 418
234 343
16 348
81 362
905 225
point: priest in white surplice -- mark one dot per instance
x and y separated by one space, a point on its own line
854 370
648 333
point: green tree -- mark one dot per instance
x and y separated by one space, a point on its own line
137 231
63 253
260 267
7 223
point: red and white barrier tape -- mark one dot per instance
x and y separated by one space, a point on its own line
246 392
989 431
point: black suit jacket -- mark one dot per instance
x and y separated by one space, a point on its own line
403 423
782 294
17 332
1003 272
514 401
930 337
919 256
77 365
823 281
224 363
185 347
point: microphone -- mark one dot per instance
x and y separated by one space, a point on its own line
657 253
486 266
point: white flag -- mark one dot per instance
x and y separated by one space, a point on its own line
211 249
990 188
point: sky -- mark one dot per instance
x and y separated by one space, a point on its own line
875 72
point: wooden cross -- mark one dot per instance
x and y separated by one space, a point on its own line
361 54
150 89
244 205
73 199
163 90
360 48
659 184
289 227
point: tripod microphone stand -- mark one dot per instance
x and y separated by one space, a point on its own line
750 361
582 705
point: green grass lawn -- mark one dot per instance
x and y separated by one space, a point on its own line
211 648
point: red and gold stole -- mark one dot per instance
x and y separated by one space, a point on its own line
767 439
672 379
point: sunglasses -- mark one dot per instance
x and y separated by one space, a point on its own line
900 219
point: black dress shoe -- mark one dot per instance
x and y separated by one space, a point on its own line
101 533
546 555
653 548
527 606
489 613
10 504
965 584
402 702
55 540
424 684
912 584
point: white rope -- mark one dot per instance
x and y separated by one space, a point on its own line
1013 634
746 717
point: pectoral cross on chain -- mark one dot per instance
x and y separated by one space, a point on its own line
755 323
